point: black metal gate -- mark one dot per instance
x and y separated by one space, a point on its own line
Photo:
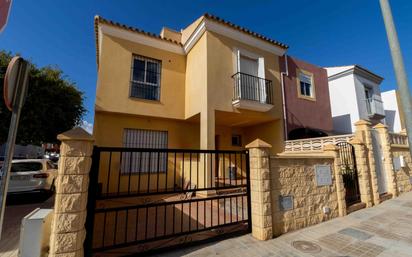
146 199
349 172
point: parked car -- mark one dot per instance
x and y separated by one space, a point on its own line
32 175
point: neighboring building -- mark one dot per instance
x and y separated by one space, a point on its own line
307 104
354 95
393 112
213 85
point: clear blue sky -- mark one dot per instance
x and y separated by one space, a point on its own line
323 32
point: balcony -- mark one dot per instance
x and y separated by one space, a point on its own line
374 107
252 93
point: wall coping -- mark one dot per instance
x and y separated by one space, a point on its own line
75 134
362 122
380 125
399 146
302 156
258 143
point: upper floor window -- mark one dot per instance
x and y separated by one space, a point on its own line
305 85
145 82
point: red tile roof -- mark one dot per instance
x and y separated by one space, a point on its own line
100 20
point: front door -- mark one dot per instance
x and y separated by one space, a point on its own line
377 154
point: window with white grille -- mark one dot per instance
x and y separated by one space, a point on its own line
145 81
145 162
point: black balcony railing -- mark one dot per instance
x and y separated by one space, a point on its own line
248 87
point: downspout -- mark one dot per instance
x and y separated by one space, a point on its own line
282 81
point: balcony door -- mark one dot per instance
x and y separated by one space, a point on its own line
368 97
251 86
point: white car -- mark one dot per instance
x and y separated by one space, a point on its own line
32 175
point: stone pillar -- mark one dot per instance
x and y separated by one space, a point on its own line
260 185
387 158
364 135
362 166
68 231
340 187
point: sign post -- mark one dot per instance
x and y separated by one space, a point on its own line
14 92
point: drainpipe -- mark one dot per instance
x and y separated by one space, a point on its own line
282 81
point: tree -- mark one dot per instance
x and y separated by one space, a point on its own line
53 105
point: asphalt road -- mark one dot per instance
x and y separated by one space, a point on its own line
17 207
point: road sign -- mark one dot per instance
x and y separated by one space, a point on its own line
15 89
5 6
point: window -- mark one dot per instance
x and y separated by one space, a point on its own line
26 166
236 140
145 82
134 162
305 85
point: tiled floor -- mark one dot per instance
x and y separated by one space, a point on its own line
384 230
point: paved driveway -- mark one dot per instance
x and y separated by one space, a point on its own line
384 230
17 208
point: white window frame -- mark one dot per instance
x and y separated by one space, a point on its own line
261 68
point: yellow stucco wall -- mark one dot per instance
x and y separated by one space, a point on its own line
196 79
113 85
270 132
108 129
221 66
193 87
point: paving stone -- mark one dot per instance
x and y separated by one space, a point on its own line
384 230
355 233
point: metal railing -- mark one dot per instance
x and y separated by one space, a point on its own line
145 91
135 201
248 87
374 106
314 144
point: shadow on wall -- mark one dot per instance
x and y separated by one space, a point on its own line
342 123
390 119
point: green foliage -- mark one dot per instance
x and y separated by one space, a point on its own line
53 105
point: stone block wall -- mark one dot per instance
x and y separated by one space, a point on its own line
402 176
294 176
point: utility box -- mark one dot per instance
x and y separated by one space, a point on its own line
35 233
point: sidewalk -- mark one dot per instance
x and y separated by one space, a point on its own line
9 243
383 230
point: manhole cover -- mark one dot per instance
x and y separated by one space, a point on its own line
306 246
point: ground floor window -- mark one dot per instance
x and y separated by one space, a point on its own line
145 162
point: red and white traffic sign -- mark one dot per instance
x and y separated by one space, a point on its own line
5 6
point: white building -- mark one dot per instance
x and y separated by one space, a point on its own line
354 95
392 115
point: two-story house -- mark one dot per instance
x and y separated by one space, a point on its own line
212 85
354 95
306 99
